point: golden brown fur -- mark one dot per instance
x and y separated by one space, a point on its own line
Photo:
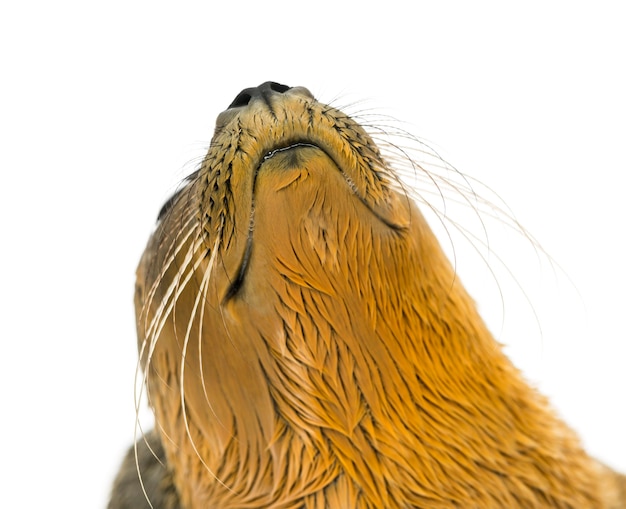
306 343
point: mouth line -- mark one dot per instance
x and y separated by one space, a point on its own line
237 281
291 146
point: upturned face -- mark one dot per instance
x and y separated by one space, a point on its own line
272 296
279 159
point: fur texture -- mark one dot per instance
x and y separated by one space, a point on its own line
306 343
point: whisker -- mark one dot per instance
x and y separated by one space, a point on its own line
196 304
203 288
174 249
172 293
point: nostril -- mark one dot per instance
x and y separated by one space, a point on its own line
265 90
242 99
276 87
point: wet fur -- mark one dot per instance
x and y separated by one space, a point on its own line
306 343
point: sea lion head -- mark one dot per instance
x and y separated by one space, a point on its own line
280 159
304 339
293 233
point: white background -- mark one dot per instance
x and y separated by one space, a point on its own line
104 107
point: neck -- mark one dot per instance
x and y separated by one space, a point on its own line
366 375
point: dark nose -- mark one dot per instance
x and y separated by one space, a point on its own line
263 91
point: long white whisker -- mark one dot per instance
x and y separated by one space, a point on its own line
179 243
200 296
203 289
173 292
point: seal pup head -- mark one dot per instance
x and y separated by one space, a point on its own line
305 342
